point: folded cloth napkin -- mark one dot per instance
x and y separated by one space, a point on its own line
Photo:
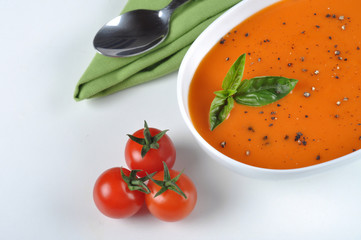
107 75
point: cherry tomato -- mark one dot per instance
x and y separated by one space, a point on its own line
171 206
153 159
113 197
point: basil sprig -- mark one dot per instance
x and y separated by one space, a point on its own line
258 91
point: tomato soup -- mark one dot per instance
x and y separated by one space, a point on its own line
316 42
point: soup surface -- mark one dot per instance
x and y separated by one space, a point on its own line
316 42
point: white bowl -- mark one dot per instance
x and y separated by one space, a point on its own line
192 59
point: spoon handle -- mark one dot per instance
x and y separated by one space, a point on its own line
174 4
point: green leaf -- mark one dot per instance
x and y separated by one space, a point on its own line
140 141
260 91
257 91
158 182
225 93
220 109
161 191
223 103
148 141
154 145
146 133
157 137
168 183
146 178
174 187
234 74
176 178
166 176
144 151
134 183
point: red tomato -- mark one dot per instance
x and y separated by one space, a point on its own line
154 158
171 206
113 197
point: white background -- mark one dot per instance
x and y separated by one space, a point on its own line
52 149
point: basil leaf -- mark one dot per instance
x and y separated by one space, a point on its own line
260 91
225 93
234 75
257 91
220 109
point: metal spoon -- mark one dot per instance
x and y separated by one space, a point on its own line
135 32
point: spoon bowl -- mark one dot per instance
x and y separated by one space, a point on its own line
135 32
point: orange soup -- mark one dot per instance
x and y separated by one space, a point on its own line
316 42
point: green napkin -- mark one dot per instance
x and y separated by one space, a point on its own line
107 75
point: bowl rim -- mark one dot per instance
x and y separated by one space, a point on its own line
207 36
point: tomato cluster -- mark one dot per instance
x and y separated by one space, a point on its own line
169 195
